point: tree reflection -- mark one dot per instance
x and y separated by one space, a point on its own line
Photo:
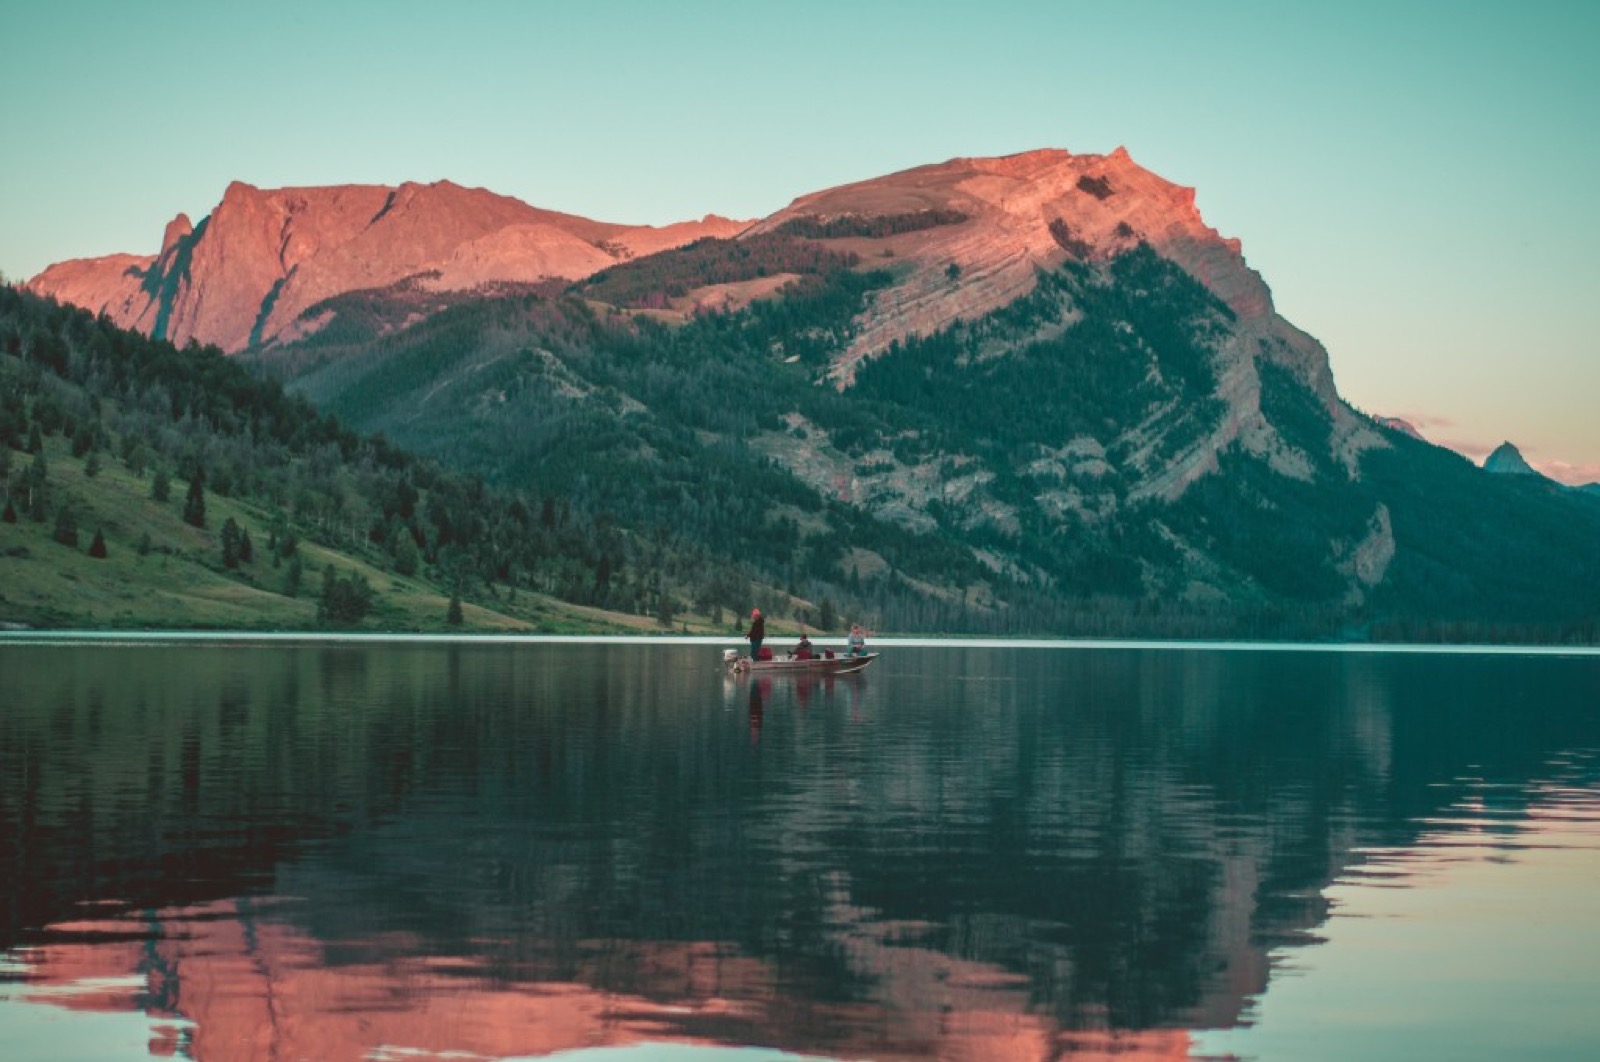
977 851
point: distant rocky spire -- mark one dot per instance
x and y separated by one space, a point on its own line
177 229
1508 460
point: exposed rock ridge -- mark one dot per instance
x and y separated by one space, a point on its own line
247 272
1032 211
1107 203
1508 460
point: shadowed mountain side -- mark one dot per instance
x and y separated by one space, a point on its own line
1116 451
1031 393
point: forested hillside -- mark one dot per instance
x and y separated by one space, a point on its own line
995 476
149 486
1110 454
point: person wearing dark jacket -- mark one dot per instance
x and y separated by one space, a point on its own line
757 633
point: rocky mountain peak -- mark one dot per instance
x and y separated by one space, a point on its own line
1508 460
1401 425
247 274
991 223
177 229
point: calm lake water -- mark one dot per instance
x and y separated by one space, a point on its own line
402 851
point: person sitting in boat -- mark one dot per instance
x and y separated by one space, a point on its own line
757 633
802 649
857 641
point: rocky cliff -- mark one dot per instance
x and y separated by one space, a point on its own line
247 272
1508 460
971 235
963 238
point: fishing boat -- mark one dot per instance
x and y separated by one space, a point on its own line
826 663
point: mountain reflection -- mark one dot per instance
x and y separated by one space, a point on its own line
970 853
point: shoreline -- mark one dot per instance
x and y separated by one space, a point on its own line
290 638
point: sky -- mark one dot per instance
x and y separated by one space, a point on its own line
1415 181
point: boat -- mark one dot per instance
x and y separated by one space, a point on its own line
821 664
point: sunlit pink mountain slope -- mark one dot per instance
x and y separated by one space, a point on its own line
247 272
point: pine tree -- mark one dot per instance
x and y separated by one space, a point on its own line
453 615
66 531
194 507
97 548
10 515
91 466
35 439
247 549
230 544
34 481
291 578
406 555
161 486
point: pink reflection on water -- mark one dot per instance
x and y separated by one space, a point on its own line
240 987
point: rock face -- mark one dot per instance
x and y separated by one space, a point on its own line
246 273
965 237
1508 460
1001 220
1401 425
1025 212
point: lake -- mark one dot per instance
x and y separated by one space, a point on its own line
401 850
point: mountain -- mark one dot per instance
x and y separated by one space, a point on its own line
247 272
1399 424
143 486
1033 393
1508 460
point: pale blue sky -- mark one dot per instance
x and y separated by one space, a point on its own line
1414 181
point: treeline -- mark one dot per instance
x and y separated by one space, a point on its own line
617 415
871 225
652 282
613 460
194 423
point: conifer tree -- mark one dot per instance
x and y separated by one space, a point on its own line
97 548
161 485
230 544
406 554
194 507
66 531
36 478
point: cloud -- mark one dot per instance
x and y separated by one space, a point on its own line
1575 475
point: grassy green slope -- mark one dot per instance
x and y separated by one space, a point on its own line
180 583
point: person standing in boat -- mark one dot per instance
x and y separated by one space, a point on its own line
757 633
